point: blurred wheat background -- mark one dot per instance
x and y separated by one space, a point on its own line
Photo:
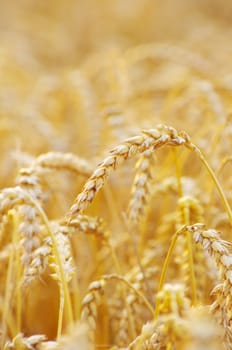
131 99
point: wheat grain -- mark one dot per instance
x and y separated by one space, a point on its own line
90 282
90 304
88 225
21 342
141 189
149 140
64 161
219 250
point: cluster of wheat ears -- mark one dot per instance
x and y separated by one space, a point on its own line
116 194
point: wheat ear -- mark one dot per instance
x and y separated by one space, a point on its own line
141 188
218 249
64 161
149 140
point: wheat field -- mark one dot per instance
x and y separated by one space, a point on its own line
115 176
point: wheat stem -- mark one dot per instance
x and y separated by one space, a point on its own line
63 282
190 256
178 172
18 289
137 292
165 266
216 181
9 278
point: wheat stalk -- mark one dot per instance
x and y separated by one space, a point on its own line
149 140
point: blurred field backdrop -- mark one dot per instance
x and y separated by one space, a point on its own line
131 99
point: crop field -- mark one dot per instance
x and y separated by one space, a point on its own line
115 175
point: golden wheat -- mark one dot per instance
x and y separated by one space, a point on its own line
115 153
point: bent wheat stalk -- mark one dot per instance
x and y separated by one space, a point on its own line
151 139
